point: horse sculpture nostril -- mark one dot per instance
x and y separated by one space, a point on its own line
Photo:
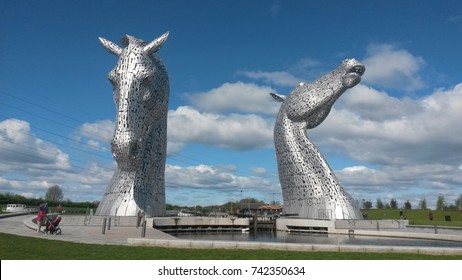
359 69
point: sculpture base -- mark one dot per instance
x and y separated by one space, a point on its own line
112 205
120 199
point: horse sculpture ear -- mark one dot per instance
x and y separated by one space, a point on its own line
111 47
278 97
155 45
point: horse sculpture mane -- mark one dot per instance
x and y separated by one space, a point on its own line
309 186
141 91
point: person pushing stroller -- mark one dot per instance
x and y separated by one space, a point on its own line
42 216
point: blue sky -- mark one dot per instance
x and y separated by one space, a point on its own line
396 135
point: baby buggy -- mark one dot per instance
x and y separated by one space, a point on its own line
52 225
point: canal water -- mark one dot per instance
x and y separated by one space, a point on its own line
309 238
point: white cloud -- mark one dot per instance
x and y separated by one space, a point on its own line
236 97
20 149
371 104
10 184
240 132
393 68
279 78
355 176
308 68
31 165
206 179
96 135
373 127
259 171
81 184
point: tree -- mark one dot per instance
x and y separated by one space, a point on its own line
379 204
393 204
440 202
423 204
407 205
54 194
367 204
459 202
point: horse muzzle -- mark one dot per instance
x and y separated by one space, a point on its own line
127 153
353 72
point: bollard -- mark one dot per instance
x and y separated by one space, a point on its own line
103 231
436 229
109 224
255 223
378 227
143 230
138 219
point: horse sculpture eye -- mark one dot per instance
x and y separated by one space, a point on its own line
147 95
146 80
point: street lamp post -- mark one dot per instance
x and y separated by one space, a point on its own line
240 202
248 201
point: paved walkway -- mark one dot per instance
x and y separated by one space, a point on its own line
118 235
130 235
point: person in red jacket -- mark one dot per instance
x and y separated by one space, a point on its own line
41 216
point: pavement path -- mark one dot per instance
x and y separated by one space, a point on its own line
92 234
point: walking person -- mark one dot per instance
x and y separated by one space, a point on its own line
41 216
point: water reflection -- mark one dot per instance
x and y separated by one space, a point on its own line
307 238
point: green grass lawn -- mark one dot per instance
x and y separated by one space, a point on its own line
14 247
418 217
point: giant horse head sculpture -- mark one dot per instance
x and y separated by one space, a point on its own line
141 92
309 186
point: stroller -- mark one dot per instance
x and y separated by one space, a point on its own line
52 225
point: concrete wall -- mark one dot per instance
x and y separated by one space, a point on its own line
339 226
371 224
197 222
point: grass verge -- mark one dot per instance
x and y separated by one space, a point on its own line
418 217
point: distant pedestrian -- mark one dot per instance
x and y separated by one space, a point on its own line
430 215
